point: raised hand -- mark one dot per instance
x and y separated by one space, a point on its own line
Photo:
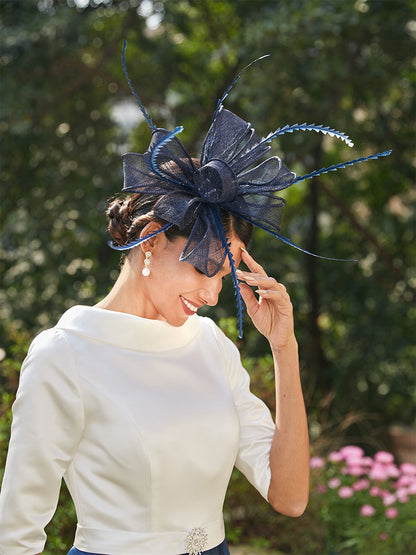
272 311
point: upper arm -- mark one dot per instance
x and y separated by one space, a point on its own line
47 426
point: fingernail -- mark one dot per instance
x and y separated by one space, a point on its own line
244 250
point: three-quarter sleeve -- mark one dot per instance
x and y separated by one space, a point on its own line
46 429
257 427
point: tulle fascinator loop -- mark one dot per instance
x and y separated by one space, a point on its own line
216 182
231 177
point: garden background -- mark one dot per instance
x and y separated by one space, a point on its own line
67 114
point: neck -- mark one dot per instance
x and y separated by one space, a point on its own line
128 294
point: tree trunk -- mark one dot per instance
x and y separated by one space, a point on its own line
316 359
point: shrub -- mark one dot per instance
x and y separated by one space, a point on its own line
366 503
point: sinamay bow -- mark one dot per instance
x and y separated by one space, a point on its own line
227 179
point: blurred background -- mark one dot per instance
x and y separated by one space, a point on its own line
67 114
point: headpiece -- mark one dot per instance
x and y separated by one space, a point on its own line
226 179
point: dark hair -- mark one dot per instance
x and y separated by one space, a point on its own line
130 214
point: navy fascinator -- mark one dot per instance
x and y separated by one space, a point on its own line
230 177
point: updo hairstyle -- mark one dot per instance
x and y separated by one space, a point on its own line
128 215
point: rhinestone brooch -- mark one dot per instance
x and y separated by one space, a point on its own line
196 541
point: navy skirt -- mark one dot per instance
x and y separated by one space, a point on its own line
221 549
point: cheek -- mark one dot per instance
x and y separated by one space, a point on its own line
176 278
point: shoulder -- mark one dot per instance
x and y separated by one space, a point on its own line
50 358
57 341
210 328
49 344
213 336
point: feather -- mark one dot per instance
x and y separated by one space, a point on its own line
224 96
139 104
226 244
309 127
336 167
141 240
152 165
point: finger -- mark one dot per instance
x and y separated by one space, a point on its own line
280 296
251 263
278 299
261 280
249 298
249 275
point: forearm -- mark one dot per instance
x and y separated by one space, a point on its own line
289 456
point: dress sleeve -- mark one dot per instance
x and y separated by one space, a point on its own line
47 426
256 425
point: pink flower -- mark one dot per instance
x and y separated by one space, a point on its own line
367 461
360 484
345 492
335 456
391 512
355 470
408 469
404 481
384 492
353 460
384 457
350 451
392 471
375 491
412 488
389 499
401 492
317 462
403 498
378 472
321 488
383 536
367 510
334 483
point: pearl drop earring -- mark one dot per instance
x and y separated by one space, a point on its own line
146 270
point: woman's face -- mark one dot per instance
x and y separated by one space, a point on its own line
174 290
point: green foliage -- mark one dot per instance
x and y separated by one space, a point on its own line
367 505
344 64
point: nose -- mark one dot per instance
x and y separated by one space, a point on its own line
211 290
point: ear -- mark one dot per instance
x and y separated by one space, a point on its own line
153 242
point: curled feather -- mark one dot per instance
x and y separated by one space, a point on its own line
141 240
152 163
309 127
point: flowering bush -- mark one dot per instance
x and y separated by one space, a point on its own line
367 504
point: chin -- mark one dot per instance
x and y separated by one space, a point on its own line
177 321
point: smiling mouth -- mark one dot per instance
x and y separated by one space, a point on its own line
189 305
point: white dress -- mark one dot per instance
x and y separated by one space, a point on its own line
144 421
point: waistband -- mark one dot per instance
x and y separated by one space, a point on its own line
221 549
116 542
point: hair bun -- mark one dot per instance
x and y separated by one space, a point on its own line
119 223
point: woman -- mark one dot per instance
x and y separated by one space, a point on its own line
139 403
142 359
144 408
